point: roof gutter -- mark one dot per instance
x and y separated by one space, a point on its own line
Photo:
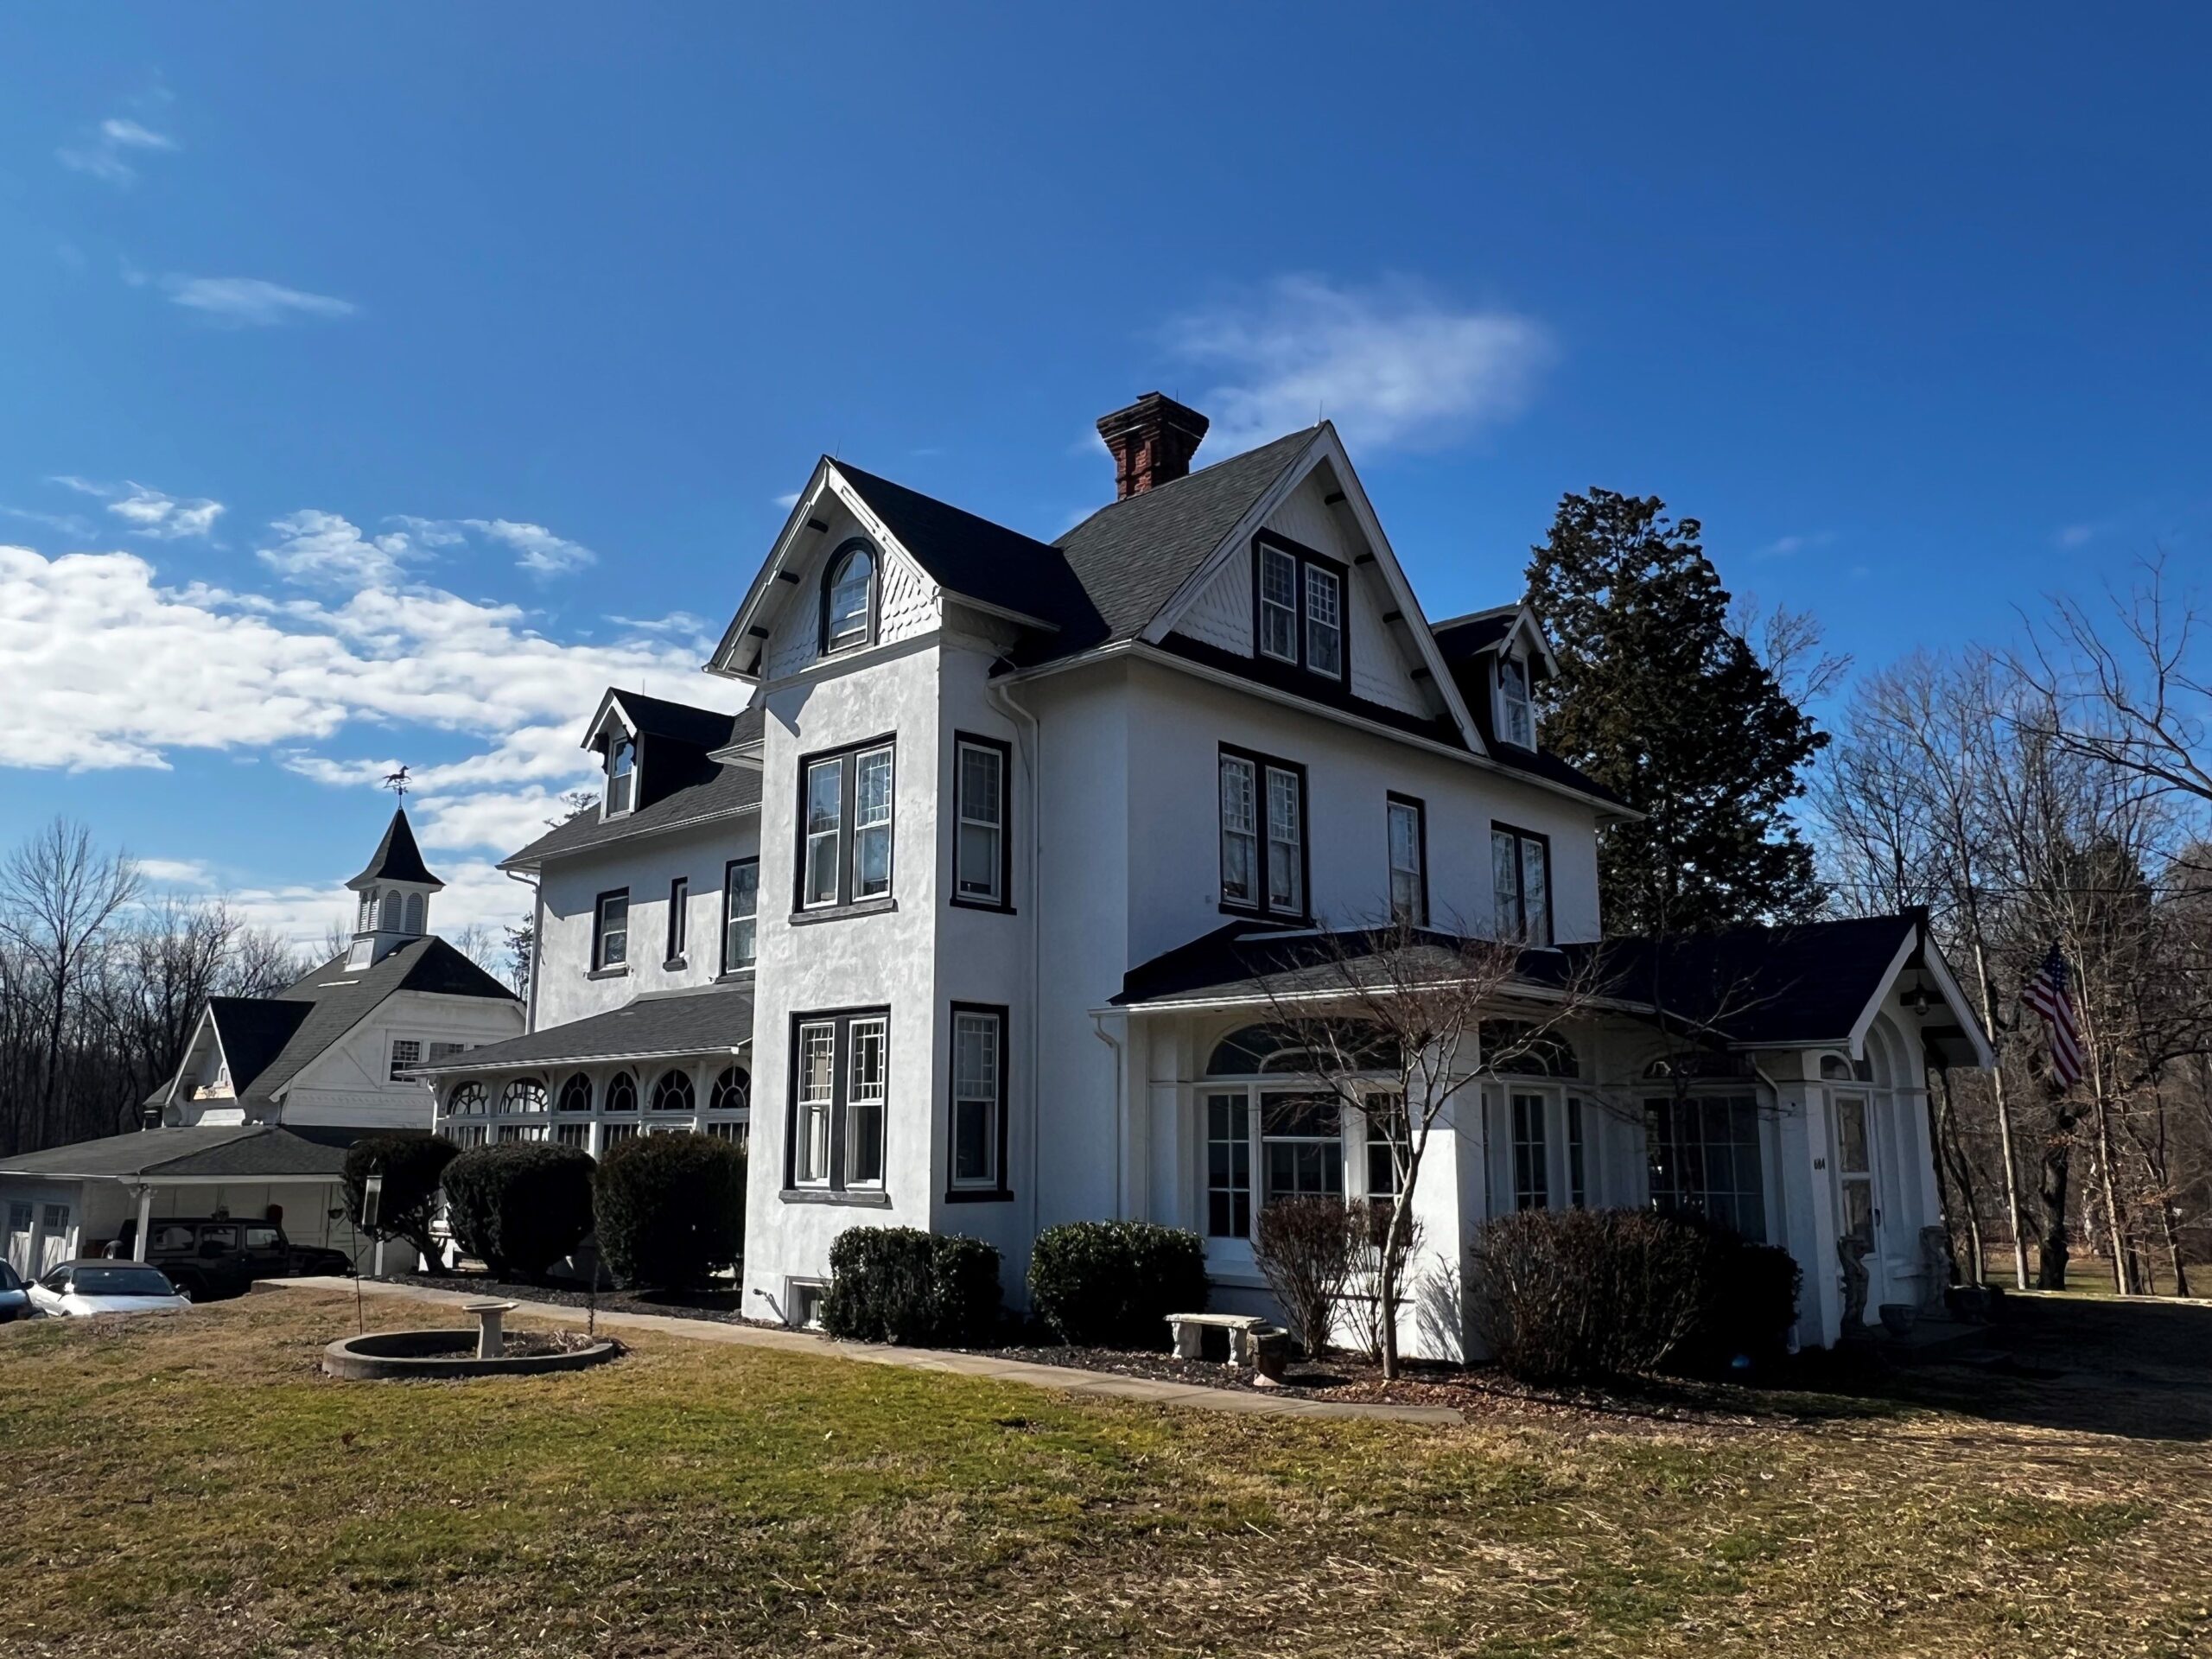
460 1068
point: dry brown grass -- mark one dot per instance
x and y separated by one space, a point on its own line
194 1489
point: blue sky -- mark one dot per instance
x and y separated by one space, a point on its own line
379 382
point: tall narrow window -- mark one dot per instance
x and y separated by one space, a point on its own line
1521 874
978 1096
848 598
980 844
1386 1121
1531 1169
845 825
872 824
840 1086
1516 723
621 776
816 1101
1278 604
864 1103
679 899
1325 622
1854 1169
1265 873
610 941
1409 859
1299 607
1578 1175
741 912
1228 1166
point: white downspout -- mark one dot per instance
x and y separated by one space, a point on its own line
537 948
1001 698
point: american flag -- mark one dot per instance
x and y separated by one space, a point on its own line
2048 995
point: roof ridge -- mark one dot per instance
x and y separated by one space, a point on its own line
1159 491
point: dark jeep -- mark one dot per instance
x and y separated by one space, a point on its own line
222 1255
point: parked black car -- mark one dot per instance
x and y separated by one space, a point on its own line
15 1299
214 1256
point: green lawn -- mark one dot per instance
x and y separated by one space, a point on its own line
194 1488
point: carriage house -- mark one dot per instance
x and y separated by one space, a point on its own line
968 921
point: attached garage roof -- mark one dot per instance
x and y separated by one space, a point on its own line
246 1151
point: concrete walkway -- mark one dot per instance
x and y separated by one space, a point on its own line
997 1369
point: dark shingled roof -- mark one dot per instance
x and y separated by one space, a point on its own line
253 1031
333 1001
1133 556
714 1019
703 729
397 857
247 1151
976 559
1466 636
729 788
1791 987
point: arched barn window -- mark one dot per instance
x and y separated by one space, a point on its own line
621 1093
575 1094
673 1093
468 1099
523 1094
733 1091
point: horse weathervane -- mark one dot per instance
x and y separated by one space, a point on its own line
396 782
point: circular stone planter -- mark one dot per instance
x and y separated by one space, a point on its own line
446 1354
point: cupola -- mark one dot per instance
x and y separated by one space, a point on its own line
395 896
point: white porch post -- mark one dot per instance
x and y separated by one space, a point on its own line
145 1222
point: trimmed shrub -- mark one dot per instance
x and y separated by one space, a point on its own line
671 1209
1306 1249
1112 1284
1582 1295
521 1205
902 1285
412 1164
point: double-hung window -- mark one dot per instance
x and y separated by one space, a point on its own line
1516 720
1262 834
981 850
406 1055
840 1086
610 931
621 776
741 912
1299 606
978 1100
1409 845
1521 878
845 814
679 899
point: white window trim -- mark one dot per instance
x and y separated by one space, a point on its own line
1517 717
607 807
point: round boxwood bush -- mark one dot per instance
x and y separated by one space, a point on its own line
902 1285
671 1209
1112 1284
519 1206
412 1164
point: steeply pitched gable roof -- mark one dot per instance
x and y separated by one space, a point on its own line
701 728
397 857
253 1031
1135 555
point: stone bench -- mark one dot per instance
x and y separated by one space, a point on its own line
1252 1341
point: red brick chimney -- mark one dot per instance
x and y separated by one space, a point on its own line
1152 440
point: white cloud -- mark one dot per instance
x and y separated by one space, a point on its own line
176 872
1393 365
303 911
788 500
248 301
68 523
147 512
323 549
540 550
1788 547
102 666
2074 536
105 154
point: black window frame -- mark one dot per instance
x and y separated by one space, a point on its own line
1521 838
846 755
1260 906
1305 559
830 567
624 739
1003 904
998 1190
836 1188
679 901
1419 808
599 962
729 887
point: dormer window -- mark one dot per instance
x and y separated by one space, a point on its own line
1299 608
621 776
848 598
1516 720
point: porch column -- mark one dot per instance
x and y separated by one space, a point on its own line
145 1220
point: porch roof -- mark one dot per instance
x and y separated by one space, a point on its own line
659 1025
245 1151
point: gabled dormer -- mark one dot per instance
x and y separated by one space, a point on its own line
1500 658
650 748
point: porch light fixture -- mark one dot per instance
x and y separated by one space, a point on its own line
1918 999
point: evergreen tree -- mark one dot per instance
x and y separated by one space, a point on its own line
1661 700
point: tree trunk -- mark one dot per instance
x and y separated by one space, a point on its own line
2115 1226
1951 1157
2058 1170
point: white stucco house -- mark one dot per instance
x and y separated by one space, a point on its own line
273 1089
958 920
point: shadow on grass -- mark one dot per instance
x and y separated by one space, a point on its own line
2135 1369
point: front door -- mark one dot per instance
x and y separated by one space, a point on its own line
1858 1215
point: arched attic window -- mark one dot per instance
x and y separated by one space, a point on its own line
848 596
1261 1051
1511 1049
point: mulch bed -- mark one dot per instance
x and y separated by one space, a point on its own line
719 1304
